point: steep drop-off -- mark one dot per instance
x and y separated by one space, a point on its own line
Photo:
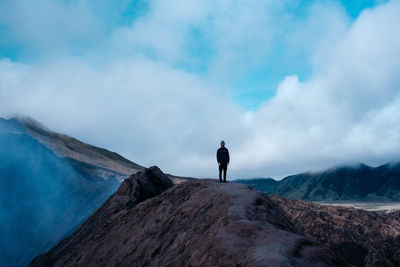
45 195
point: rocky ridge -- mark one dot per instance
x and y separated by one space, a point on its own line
195 223
206 223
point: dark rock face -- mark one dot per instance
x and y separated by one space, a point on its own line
141 186
360 182
361 237
194 223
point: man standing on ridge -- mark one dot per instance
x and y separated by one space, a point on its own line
223 160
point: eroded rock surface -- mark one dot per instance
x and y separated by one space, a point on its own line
360 237
194 223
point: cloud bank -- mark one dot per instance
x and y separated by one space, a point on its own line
165 87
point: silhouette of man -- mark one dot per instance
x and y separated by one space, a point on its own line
223 160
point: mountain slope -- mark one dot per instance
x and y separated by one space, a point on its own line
102 163
44 196
265 185
195 223
360 182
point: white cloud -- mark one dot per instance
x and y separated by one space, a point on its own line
146 110
348 110
154 113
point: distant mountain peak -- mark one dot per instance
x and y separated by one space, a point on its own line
28 121
349 182
105 164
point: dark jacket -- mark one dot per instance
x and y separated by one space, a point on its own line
223 155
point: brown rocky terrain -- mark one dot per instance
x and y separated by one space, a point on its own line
361 237
151 222
194 223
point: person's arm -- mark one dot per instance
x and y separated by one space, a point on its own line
228 157
218 157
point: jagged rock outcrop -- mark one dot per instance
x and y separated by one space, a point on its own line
194 223
360 237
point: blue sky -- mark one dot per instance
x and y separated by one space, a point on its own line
284 80
256 84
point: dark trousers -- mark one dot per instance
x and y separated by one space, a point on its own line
222 167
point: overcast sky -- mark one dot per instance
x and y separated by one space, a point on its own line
289 85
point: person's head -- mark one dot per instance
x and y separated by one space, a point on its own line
222 143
